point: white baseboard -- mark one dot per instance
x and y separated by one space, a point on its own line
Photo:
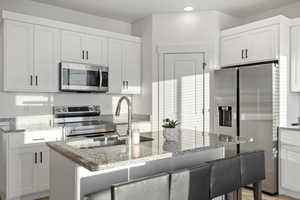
289 193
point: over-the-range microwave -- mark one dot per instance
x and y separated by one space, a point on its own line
76 77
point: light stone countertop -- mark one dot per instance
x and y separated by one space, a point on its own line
101 158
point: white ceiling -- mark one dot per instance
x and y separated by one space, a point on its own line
131 10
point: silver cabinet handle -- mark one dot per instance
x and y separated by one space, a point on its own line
246 53
127 85
123 86
39 139
82 54
36 80
242 53
87 55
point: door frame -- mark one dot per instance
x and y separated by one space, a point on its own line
161 51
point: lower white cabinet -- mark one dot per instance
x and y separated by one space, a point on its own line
289 162
26 160
28 171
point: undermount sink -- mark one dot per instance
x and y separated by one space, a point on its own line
102 142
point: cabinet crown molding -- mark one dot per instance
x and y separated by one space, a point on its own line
8 15
280 19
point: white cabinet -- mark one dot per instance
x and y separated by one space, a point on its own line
31 57
295 59
124 67
18 56
27 159
77 47
46 59
289 164
257 45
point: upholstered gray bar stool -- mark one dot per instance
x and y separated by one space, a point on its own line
149 188
253 171
225 176
190 184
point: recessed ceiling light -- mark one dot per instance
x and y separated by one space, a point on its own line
188 8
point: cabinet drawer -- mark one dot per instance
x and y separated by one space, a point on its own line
290 137
34 137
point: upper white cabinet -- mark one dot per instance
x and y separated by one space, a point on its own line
257 45
124 67
31 57
295 59
77 47
18 56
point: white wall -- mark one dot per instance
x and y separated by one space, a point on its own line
173 29
61 14
24 104
291 11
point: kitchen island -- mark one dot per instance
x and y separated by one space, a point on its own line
79 167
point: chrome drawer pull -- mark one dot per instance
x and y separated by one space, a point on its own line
39 139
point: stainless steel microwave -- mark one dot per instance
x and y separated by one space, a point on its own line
83 78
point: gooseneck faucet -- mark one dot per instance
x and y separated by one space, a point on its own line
129 105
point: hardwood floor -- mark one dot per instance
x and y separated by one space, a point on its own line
246 195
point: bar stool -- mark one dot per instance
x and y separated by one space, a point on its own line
253 171
225 176
149 188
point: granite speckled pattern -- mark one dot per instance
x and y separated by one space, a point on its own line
100 158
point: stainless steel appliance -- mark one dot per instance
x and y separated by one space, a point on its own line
82 121
83 78
247 104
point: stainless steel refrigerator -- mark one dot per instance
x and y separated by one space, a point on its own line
247 104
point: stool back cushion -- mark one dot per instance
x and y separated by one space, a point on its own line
180 183
252 167
155 187
225 176
200 182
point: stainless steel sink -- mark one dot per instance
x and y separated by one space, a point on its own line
102 142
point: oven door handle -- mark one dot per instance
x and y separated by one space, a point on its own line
89 131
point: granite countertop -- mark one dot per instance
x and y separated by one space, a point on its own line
101 158
290 127
25 123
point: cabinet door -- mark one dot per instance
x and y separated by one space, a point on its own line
95 50
21 172
18 56
131 71
295 59
232 50
72 46
42 178
290 165
115 63
46 59
263 44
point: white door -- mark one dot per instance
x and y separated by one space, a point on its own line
115 63
18 56
132 68
42 180
22 172
95 50
72 47
290 165
183 90
233 50
46 59
263 44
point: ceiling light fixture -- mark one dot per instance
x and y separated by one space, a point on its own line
188 8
